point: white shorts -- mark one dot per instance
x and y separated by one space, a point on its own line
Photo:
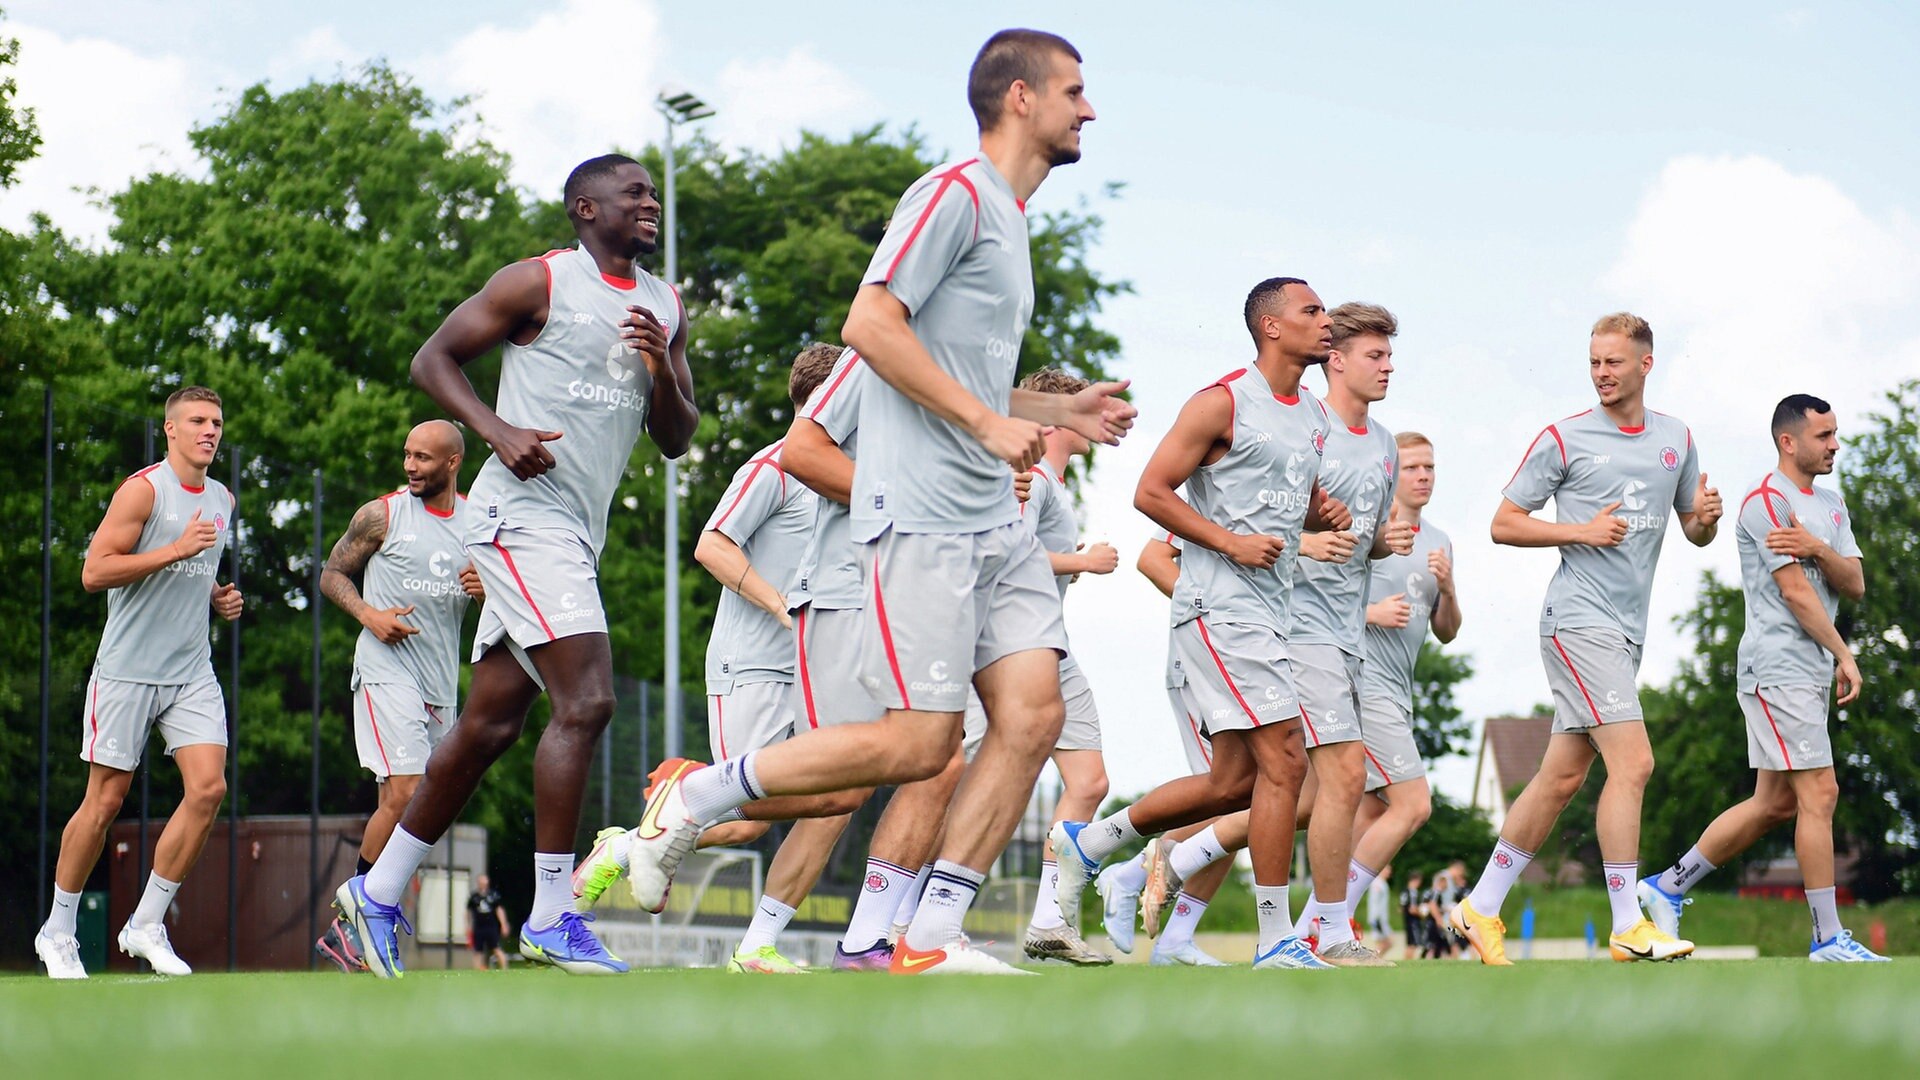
826 663
1327 678
542 585
1392 755
395 730
1787 728
1594 672
1082 729
973 726
122 715
751 717
1237 675
1194 739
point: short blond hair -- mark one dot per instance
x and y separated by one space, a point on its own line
1352 319
1633 327
1051 380
1412 438
193 393
810 369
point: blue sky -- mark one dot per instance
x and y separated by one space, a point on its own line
1497 174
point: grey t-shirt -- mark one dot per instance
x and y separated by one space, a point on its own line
1049 509
1390 654
1774 649
955 254
579 378
829 575
1330 599
418 564
771 516
1584 464
1261 485
157 627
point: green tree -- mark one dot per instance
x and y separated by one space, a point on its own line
1438 727
19 134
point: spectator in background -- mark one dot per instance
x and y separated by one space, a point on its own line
1413 915
486 924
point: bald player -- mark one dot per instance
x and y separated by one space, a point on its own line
405 548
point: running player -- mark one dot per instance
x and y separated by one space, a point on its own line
1621 456
1083 772
410 546
594 352
1248 448
157 553
958 585
1797 558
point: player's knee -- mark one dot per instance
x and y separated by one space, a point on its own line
924 751
1636 769
204 793
1230 793
1093 789
841 803
1414 808
1818 799
589 710
398 791
99 809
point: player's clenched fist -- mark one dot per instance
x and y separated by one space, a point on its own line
1328 547
1017 442
1398 536
1326 513
386 625
1101 558
521 450
227 601
471 584
1605 530
1441 568
1392 613
1256 551
197 537
1023 485
1793 540
646 335
1707 507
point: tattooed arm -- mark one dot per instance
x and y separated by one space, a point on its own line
363 537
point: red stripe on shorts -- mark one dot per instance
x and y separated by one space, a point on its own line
806 677
374 723
1308 720
1200 741
1381 769
1207 640
93 718
515 571
1577 680
886 634
1784 756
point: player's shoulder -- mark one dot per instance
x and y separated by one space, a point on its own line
1434 534
842 382
1669 425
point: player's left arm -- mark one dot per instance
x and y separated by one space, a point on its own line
1160 563
671 414
1445 619
1394 536
1844 572
1800 598
729 565
1097 412
1700 518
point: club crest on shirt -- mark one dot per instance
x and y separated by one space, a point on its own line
1669 458
1838 520
1386 465
1319 441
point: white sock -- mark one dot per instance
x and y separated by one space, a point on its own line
387 881
1196 853
1359 880
720 787
1181 924
769 919
950 891
1334 927
1308 924
910 900
1686 873
155 901
1108 835
1046 905
873 912
1620 878
1504 867
552 888
1275 910
63 915
1826 916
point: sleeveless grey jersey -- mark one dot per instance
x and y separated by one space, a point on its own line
1049 509
1330 599
157 627
1584 464
1774 649
829 576
418 564
1176 675
1390 654
580 379
771 516
955 254
1261 485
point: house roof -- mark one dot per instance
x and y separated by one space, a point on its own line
1518 743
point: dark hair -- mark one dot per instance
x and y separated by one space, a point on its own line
1264 296
1008 57
588 171
1791 414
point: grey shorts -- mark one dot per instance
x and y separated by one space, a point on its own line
944 605
1082 729
1594 672
122 715
1392 755
394 729
973 726
751 716
1237 675
1194 739
542 585
827 688
1787 728
1327 678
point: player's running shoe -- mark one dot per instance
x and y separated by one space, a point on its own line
1290 952
878 958
1162 883
378 925
61 954
1119 906
1661 906
606 863
959 958
1645 941
765 960
1186 954
570 946
340 946
1061 943
1842 949
663 837
1352 953
1075 869
1486 933
150 943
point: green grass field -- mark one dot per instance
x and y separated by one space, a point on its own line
1697 1018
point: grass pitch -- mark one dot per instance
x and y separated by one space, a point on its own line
1767 1017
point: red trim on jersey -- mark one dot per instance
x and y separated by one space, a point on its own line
618 282
1361 430
947 180
1632 430
806 677
1577 680
93 709
758 463
447 513
1207 640
1232 407
547 267
190 489
1550 429
515 571
886 634
374 723
720 725
1200 741
1022 204
852 363
1784 756
1285 400
1767 493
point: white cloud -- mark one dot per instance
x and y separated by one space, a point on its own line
764 104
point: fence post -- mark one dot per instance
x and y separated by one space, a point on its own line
46 630
233 730
315 602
